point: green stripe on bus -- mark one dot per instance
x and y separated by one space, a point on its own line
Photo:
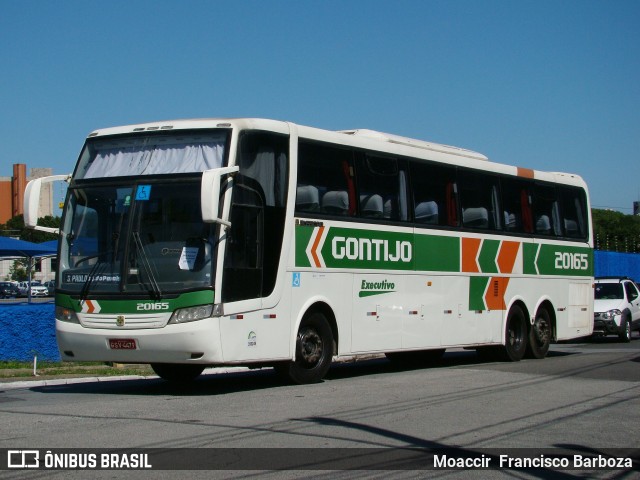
477 287
303 236
189 299
437 253
367 249
488 255
352 248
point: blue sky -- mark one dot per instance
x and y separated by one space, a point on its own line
544 84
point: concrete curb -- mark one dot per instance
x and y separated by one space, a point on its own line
54 382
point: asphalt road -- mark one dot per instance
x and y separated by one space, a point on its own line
584 397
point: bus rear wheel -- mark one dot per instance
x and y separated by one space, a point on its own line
314 351
516 335
177 373
540 335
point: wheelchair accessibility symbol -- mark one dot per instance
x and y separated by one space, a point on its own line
296 279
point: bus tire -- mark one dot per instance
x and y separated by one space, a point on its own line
177 372
314 351
540 335
516 335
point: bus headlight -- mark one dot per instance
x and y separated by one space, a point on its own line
611 314
191 314
66 315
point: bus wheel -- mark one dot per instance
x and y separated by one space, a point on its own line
314 351
516 335
540 335
177 373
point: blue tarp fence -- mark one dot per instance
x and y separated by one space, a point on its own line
27 330
617 264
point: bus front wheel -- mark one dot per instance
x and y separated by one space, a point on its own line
516 334
177 373
314 351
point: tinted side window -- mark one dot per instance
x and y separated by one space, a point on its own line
574 212
325 180
257 217
381 185
479 199
546 212
516 207
434 194
632 291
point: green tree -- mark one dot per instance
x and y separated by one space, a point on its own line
615 231
18 270
16 224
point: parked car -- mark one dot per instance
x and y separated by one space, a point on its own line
37 289
8 290
51 287
616 307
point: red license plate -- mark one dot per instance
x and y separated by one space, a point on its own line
122 344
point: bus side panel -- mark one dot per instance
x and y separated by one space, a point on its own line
579 311
311 288
463 323
256 335
422 325
380 305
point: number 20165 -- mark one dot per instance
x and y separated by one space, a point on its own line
572 261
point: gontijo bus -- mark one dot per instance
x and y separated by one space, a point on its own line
193 243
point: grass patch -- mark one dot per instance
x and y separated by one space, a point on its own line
13 369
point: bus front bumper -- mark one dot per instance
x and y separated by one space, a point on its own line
193 342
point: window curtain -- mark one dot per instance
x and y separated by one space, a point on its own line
159 159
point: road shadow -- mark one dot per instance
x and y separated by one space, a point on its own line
209 384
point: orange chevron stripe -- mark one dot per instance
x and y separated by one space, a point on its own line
494 298
470 247
314 248
507 256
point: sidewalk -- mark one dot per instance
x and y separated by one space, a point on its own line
11 383
24 378
44 380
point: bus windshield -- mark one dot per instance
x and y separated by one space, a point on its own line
152 154
140 237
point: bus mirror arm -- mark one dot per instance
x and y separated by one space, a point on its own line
210 194
32 201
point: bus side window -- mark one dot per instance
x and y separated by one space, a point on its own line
479 197
258 206
325 180
434 194
381 187
515 205
573 201
546 214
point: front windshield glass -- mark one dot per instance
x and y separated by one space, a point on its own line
140 237
608 291
133 222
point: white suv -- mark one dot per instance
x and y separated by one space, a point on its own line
37 290
616 307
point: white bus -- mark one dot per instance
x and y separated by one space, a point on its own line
196 243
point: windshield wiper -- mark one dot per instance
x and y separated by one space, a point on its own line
146 265
92 273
